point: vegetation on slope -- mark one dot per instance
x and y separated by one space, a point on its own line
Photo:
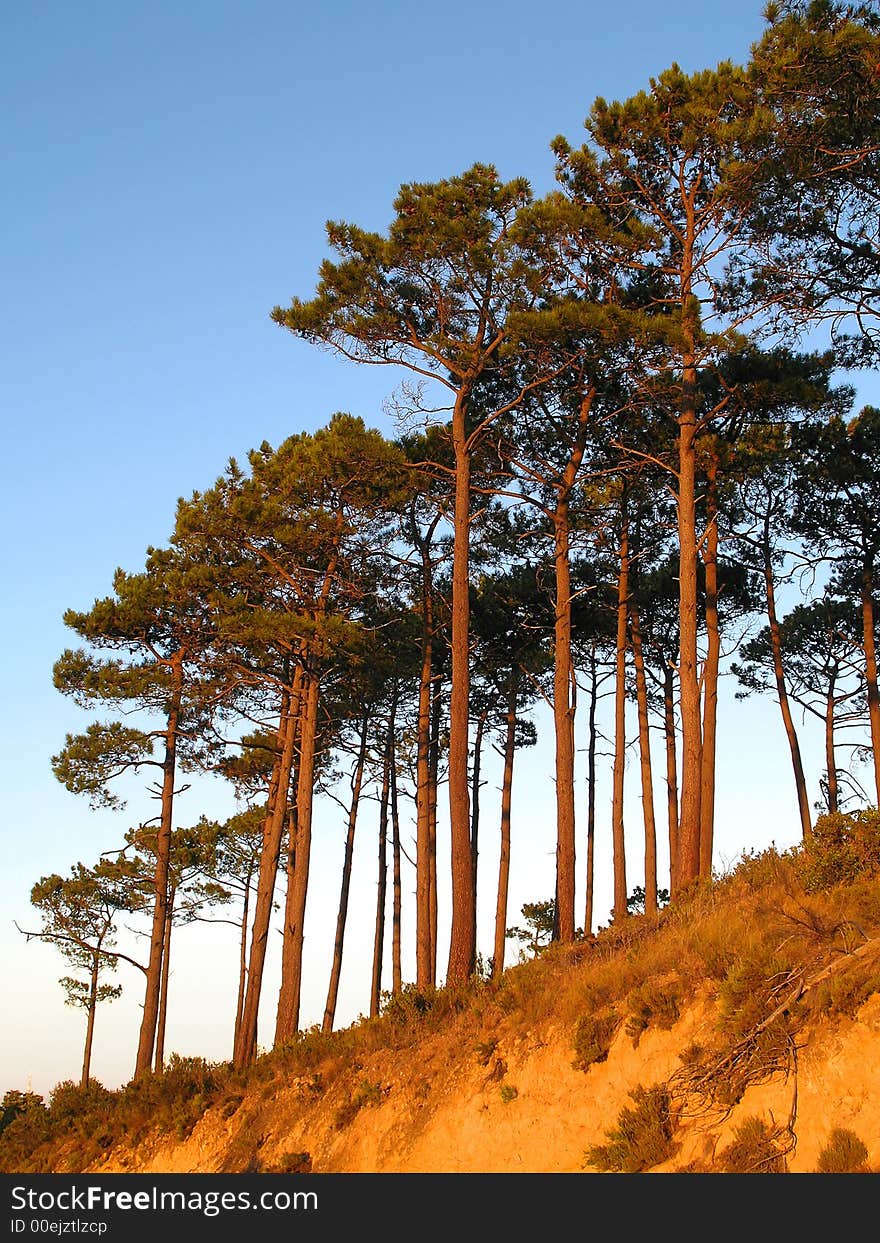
783 941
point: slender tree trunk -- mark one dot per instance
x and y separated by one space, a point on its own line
710 676
867 594
273 830
242 957
396 956
591 792
159 1063
462 936
830 758
504 859
90 1020
617 828
645 764
147 1038
781 690
436 709
475 805
342 916
381 888
688 864
424 976
564 681
563 723
671 771
287 1017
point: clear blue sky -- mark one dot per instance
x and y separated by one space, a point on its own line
168 169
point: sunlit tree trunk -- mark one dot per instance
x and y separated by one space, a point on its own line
436 709
396 958
710 675
381 888
645 764
424 972
475 804
287 1020
159 1064
688 864
671 770
242 955
92 1005
591 792
462 934
833 788
147 1037
504 857
273 830
617 829
867 596
342 915
781 689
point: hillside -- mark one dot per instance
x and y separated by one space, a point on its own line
737 1032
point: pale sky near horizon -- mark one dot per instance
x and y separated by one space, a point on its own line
168 171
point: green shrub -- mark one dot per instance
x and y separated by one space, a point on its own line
642 1137
846 991
649 1004
25 1127
843 1153
16 1103
366 1094
842 847
508 1093
593 1037
750 990
753 1151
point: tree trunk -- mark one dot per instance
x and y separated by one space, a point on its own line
504 859
381 888
475 805
396 957
617 828
710 676
424 975
287 1017
436 710
688 864
273 830
830 759
563 725
462 935
147 1038
867 594
671 771
564 681
781 690
342 916
645 765
591 792
90 1020
159 1062
242 957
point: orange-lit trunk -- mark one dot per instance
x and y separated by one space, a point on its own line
617 826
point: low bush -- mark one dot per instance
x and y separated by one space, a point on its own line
593 1037
652 1003
754 1150
842 847
643 1137
843 1153
366 1094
